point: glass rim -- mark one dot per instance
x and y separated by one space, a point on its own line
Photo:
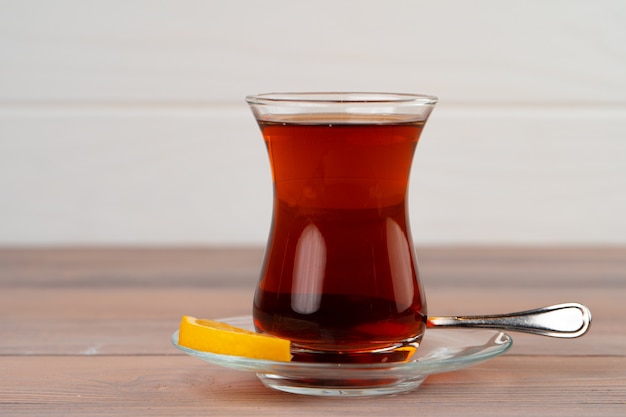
341 98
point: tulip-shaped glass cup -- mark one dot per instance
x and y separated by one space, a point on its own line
340 278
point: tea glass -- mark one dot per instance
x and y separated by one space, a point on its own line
340 278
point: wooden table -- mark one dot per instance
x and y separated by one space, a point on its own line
87 332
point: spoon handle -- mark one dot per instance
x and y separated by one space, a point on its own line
562 320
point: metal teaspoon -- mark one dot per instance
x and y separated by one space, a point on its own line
562 320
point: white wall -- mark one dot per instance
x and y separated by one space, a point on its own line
123 122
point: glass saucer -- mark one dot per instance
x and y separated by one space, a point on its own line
441 350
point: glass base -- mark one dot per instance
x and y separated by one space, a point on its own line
399 352
323 387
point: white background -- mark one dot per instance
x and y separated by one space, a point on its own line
124 122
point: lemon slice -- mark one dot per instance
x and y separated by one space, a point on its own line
216 337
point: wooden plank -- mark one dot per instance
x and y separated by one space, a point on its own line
208 51
176 385
201 177
130 267
101 322
123 301
215 267
126 321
